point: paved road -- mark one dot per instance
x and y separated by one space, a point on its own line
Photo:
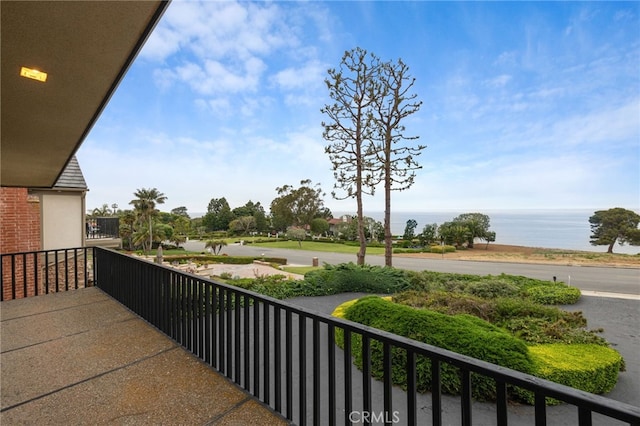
589 278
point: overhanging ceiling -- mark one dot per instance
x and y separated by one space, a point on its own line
85 47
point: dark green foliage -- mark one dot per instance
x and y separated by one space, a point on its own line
614 225
525 319
463 334
276 286
492 286
332 279
448 303
349 277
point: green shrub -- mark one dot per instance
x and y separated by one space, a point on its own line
407 250
209 258
440 249
491 289
276 286
591 368
464 334
554 295
448 303
231 260
524 319
349 277
490 286
542 330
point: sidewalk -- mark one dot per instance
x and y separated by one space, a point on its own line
82 358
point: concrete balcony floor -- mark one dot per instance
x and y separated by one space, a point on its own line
80 357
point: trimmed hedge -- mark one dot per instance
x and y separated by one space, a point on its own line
591 368
230 260
440 249
463 334
553 295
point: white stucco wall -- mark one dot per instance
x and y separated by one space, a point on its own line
62 220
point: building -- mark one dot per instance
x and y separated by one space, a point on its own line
35 219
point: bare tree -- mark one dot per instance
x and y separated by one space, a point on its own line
353 88
396 163
371 99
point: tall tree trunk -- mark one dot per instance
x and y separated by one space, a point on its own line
388 243
610 249
388 238
361 235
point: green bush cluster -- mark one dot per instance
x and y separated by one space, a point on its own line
525 319
332 279
592 367
492 286
464 334
554 295
439 249
276 286
349 277
407 250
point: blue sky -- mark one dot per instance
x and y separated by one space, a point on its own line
525 105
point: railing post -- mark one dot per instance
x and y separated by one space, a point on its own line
540 409
302 354
331 359
411 389
388 382
436 392
466 398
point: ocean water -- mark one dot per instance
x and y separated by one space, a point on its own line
558 228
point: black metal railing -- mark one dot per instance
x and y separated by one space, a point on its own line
103 227
45 271
287 356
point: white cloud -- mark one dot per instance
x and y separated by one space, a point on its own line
499 81
220 106
613 125
309 74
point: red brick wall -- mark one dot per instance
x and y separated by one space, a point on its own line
19 221
19 232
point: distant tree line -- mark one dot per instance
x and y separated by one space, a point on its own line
299 212
463 230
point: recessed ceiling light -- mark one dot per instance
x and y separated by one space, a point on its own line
33 74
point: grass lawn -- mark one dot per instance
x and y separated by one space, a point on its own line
317 246
301 270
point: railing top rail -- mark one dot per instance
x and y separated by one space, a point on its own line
44 251
596 403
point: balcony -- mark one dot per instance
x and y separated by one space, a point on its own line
115 339
103 232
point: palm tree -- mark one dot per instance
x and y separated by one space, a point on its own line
145 206
101 211
215 245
